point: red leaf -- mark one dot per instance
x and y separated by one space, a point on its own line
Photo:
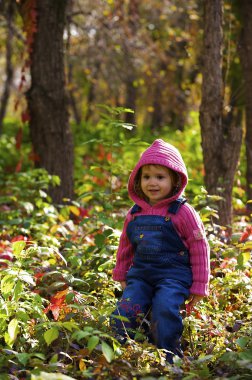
18 138
55 309
33 156
38 276
83 211
25 117
19 166
6 256
247 232
109 157
18 238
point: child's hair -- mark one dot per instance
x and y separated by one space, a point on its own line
175 177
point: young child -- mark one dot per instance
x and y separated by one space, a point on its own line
163 254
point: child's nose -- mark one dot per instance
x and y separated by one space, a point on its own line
152 180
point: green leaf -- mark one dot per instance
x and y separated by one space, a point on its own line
107 351
243 258
13 330
99 240
54 359
92 342
7 284
121 318
23 358
105 265
18 247
17 290
51 335
70 298
246 355
78 335
70 325
243 341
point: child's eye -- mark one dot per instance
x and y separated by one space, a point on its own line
146 176
160 177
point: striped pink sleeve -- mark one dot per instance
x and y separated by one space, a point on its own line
190 227
124 257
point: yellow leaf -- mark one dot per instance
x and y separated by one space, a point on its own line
61 218
61 293
54 228
248 245
150 109
246 257
82 365
74 210
87 198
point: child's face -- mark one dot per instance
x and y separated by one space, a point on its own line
156 183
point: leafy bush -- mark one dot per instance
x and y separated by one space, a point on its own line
56 288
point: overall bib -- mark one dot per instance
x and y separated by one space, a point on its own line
160 279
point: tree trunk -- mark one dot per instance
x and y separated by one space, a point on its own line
130 101
131 90
8 64
47 100
246 60
71 88
221 136
157 115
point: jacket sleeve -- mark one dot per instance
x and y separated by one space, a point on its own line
190 228
125 253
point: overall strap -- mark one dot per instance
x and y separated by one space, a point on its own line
175 205
135 209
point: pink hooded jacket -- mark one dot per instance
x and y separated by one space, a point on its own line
186 222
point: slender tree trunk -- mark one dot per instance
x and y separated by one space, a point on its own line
157 115
221 137
47 100
132 26
8 63
130 101
246 60
71 96
70 83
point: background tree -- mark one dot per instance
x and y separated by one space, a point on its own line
221 131
7 11
47 101
246 60
138 54
135 54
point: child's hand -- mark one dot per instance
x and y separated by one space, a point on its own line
193 300
123 284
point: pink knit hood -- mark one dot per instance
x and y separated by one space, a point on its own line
160 153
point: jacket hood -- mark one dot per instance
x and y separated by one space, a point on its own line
159 153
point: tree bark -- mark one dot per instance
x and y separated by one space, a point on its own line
246 61
47 101
221 134
9 69
131 90
71 88
130 101
157 115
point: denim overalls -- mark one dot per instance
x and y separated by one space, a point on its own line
160 278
